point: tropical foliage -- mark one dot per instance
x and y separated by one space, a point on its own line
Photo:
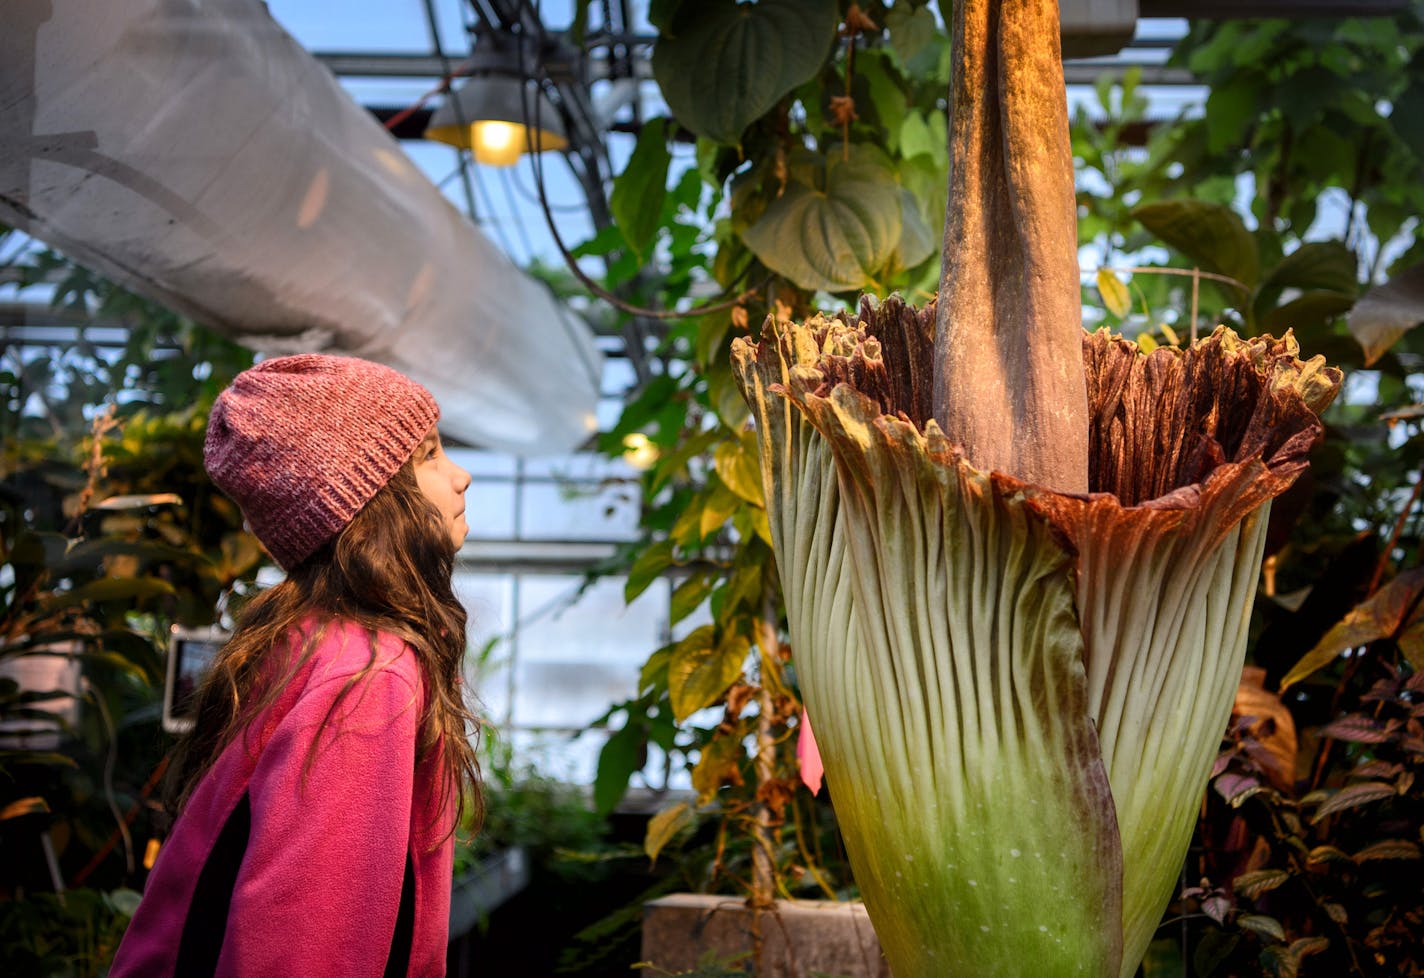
1256 232
109 533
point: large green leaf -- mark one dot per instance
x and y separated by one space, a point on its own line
1320 267
917 240
1307 312
1212 235
110 589
1316 265
1387 312
910 29
617 762
722 64
837 232
638 192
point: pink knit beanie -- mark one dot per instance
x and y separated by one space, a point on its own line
301 443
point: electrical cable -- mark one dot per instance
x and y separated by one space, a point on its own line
518 225
715 305
494 220
434 27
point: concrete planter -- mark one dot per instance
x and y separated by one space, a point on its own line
800 938
475 893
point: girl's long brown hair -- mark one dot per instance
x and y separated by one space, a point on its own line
388 570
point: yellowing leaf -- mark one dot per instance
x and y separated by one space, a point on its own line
719 762
654 673
1391 610
664 826
738 468
719 505
687 596
1116 298
700 672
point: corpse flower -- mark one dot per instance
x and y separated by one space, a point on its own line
1018 693
1018 561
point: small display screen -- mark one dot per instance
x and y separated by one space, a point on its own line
191 653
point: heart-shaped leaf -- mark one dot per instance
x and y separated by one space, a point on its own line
910 29
1212 235
1316 268
1387 312
722 64
838 235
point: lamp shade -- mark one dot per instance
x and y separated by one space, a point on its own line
487 115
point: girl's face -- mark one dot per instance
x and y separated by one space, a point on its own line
444 484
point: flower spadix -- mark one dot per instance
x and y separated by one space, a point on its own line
1018 693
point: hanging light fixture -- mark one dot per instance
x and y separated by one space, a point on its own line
498 114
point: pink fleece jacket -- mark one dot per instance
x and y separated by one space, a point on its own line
289 863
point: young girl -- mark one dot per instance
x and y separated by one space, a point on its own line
319 790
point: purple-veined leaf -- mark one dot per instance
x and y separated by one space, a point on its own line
1268 927
1217 907
1356 729
1353 797
1236 788
1252 885
1388 849
1325 855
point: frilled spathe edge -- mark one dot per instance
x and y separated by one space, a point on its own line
1172 433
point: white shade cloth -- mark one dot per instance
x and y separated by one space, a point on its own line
194 152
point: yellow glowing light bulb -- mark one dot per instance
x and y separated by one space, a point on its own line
498 143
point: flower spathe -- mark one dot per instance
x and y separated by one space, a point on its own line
1018 693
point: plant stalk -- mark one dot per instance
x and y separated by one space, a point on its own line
1008 371
763 865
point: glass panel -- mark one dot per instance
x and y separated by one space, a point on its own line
575 660
573 760
489 509
582 511
479 462
489 599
